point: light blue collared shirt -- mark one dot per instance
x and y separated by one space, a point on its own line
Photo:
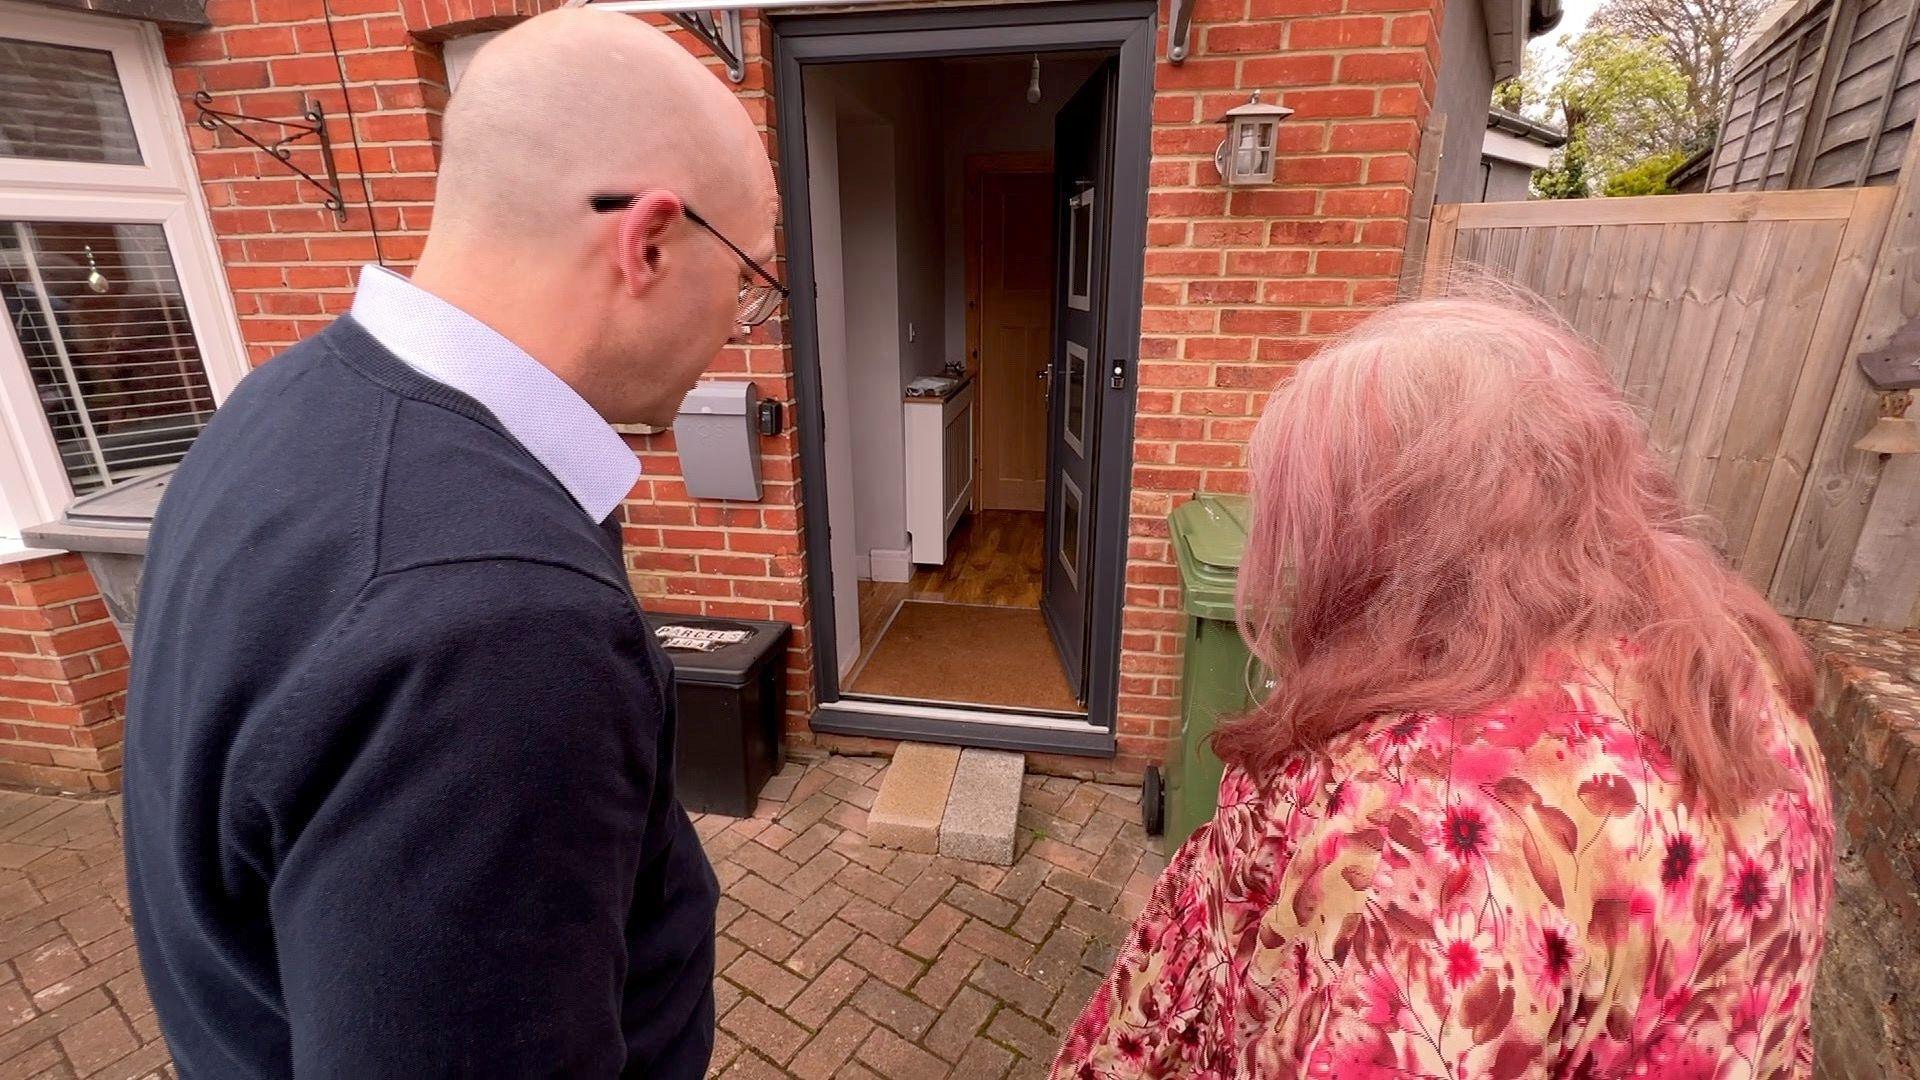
451 347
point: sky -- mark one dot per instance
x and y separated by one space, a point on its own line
1573 19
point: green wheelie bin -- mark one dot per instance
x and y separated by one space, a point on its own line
1218 677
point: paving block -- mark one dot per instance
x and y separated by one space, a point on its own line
913 796
983 809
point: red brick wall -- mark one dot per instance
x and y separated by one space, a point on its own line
745 560
1868 723
1239 285
63 678
292 268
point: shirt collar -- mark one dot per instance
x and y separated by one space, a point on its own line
537 407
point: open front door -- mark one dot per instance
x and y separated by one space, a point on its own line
1081 138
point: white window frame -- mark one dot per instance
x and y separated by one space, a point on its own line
164 190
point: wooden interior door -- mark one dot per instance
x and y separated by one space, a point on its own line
1010 333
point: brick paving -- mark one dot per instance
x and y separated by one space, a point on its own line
835 959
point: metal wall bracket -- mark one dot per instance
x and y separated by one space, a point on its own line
1896 366
1180 31
315 126
718 29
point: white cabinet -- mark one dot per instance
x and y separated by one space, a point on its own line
939 469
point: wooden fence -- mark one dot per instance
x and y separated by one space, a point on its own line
1730 321
1823 98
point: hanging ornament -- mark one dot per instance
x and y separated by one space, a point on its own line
96 280
1033 83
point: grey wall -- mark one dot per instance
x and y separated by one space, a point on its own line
874 331
1465 90
1506 181
890 326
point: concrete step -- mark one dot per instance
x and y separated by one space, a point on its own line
983 807
913 798
964 804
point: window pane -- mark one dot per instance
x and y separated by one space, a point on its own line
98 312
59 103
1070 527
1076 395
1080 251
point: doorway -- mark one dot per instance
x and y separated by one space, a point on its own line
964 190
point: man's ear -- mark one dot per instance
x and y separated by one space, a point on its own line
637 248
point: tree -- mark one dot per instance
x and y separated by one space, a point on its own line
1621 101
1699 37
1566 178
1625 98
1647 178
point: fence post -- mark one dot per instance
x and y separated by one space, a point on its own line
1833 565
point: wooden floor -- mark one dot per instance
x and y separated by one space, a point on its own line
994 559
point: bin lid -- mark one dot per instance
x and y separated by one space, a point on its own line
1209 535
716 652
113 520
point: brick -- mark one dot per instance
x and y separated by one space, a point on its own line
1337 33
758 1026
933 932
913 797
1357 263
1024 1034
1321 170
887 963
984 1060
1298 69
98 1041
1246 37
898 1012
258 41
1383 67
1272 9
47 965
827 1053
1342 102
892 1056
1222 292
756 932
983 808
764 979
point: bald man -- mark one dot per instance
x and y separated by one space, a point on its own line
399 787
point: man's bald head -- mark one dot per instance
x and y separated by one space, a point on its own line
628 306
578 102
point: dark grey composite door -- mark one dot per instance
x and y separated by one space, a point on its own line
1081 143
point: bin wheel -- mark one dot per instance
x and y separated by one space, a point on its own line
1153 801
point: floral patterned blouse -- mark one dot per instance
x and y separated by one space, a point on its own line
1523 893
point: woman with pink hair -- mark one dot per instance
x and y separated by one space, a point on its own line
1533 795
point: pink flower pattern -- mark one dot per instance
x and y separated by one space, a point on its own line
1529 892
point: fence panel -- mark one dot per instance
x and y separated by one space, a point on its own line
1725 319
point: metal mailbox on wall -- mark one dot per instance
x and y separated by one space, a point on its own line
719 450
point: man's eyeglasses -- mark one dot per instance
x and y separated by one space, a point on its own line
758 299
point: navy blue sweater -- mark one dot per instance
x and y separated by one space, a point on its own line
399 796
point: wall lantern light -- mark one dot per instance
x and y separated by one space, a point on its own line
1246 156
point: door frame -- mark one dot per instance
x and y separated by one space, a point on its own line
1126 27
974 170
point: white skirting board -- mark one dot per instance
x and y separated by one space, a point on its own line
885 565
939 470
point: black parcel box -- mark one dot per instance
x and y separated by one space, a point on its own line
732 689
